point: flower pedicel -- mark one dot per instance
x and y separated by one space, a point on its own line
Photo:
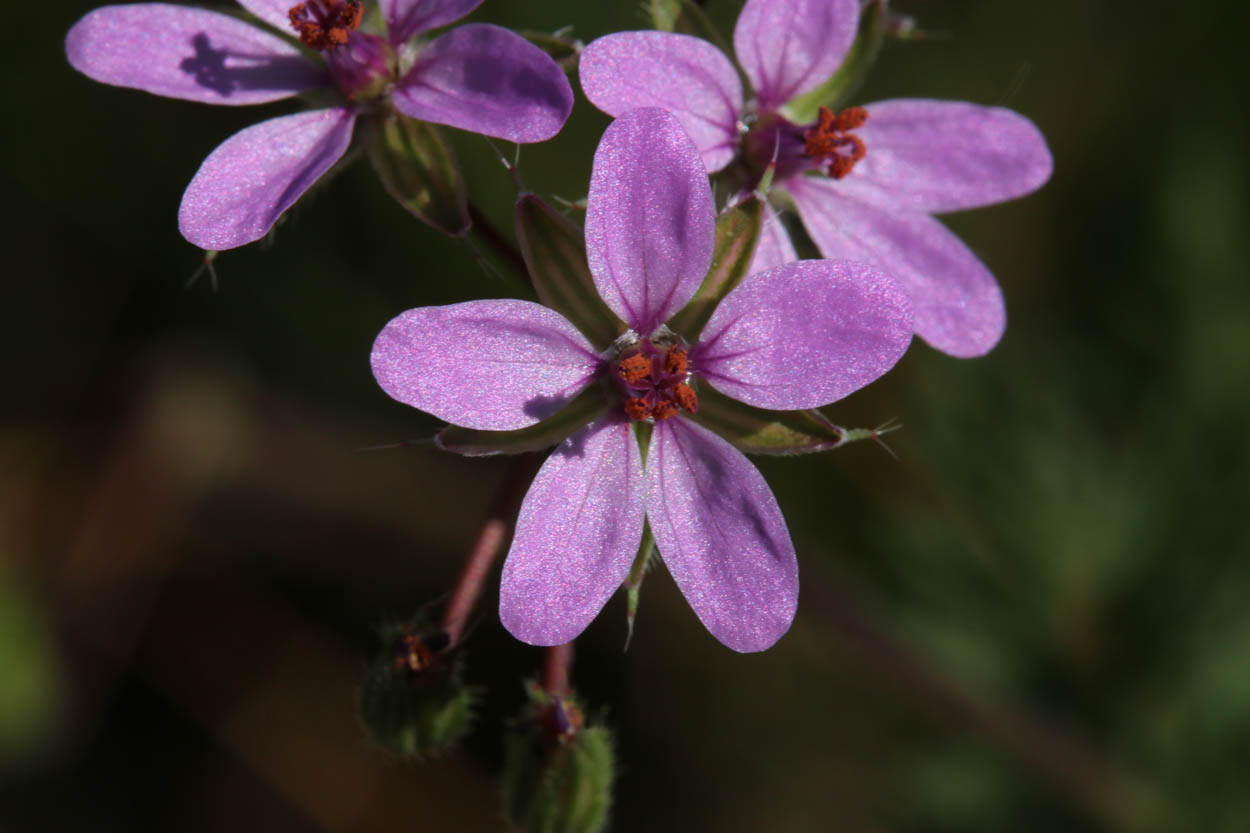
796 336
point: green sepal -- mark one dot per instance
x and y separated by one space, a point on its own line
685 18
633 582
850 75
642 434
584 408
554 250
564 50
557 786
737 233
418 168
758 431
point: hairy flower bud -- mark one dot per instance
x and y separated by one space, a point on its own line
558 771
413 700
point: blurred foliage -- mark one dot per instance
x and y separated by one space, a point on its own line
30 693
1064 534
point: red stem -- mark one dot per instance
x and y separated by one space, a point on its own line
557 661
486 547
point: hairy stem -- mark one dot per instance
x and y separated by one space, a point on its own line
487 546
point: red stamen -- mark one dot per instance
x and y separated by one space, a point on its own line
664 409
637 409
676 362
684 396
851 118
325 24
656 382
830 138
635 369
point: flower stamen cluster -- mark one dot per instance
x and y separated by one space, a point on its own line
325 24
830 138
657 385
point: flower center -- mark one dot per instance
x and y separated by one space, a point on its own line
325 24
830 139
657 385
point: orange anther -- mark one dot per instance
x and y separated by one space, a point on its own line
637 409
830 138
325 24
665 409
850 118
635 369
685 396
676 362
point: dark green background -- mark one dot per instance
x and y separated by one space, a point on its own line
1037 619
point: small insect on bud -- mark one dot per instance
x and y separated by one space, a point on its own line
413 701
558 771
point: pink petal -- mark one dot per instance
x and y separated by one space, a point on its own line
721 534
649 218
405 18
937 156
576 536
788 47
488 80
183 52
958 305
251 178
774 247
805 334
689 77
274 12
489 365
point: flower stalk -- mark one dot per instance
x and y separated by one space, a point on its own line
486 547
557 663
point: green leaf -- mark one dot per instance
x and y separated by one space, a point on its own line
418 169
737 233
757 431
554 250
587 406
843 83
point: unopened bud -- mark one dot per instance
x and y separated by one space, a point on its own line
558 771
413 701
417 168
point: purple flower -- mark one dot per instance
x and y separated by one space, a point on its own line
796 336
865 181
476 77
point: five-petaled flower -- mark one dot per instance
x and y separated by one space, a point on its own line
866 180
797 336
476 77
